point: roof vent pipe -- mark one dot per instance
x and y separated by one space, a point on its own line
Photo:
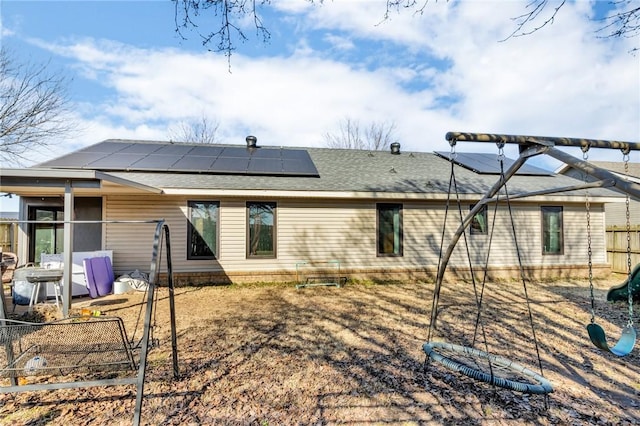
252 141
395 148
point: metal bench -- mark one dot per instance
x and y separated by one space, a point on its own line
313 274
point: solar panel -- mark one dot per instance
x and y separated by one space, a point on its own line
268 153
115 161
265 165
201 158
106 147
143 148
483 163
236 152
230 164
191 162
155 162
206 150
81 159
173 149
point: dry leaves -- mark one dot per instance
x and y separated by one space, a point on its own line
274 355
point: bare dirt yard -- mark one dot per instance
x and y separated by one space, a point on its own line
275 355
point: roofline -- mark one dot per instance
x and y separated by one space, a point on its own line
43 173
125 182
382 196
59 177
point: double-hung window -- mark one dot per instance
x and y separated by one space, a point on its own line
202 230
261 229
552 230
479 222
389 229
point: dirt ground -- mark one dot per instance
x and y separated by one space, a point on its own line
275 355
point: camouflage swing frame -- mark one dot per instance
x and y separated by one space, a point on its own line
529 146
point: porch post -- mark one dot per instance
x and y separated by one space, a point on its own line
67 249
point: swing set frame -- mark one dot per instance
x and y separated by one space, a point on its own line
95 348
529 147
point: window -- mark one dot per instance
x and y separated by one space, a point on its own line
479 222
552 232
261 229
45 236
203 230
389 229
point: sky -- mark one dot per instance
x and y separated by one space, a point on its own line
132 76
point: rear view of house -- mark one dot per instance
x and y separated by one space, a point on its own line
262 213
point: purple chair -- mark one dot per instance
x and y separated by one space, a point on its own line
99 274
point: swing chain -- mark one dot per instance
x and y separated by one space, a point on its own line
453 154
585 156
500 146
625 153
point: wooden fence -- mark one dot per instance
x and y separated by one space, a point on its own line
8 237
617 247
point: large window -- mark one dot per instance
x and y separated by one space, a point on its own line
552 232
203 230
389 229
479 222
261 229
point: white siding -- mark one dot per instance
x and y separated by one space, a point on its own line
132 243
346 230
617 214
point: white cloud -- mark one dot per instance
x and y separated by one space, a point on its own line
339 43
4 31
559 81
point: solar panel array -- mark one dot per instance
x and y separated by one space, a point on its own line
488 164
113 155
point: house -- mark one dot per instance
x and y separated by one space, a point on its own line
262 213
616 215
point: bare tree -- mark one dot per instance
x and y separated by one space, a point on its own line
227 31
229 14
34 108
625 23
203 130
376 136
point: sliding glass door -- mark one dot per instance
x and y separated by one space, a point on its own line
45 236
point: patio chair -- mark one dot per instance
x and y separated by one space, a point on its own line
13 278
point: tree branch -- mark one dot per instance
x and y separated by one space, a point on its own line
523 20
34 109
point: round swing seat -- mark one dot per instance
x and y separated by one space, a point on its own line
492 369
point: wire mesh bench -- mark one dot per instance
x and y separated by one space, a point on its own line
85 351
68 346
312 274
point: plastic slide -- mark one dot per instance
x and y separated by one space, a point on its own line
620 292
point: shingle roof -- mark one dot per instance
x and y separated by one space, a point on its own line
618 167
346 170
